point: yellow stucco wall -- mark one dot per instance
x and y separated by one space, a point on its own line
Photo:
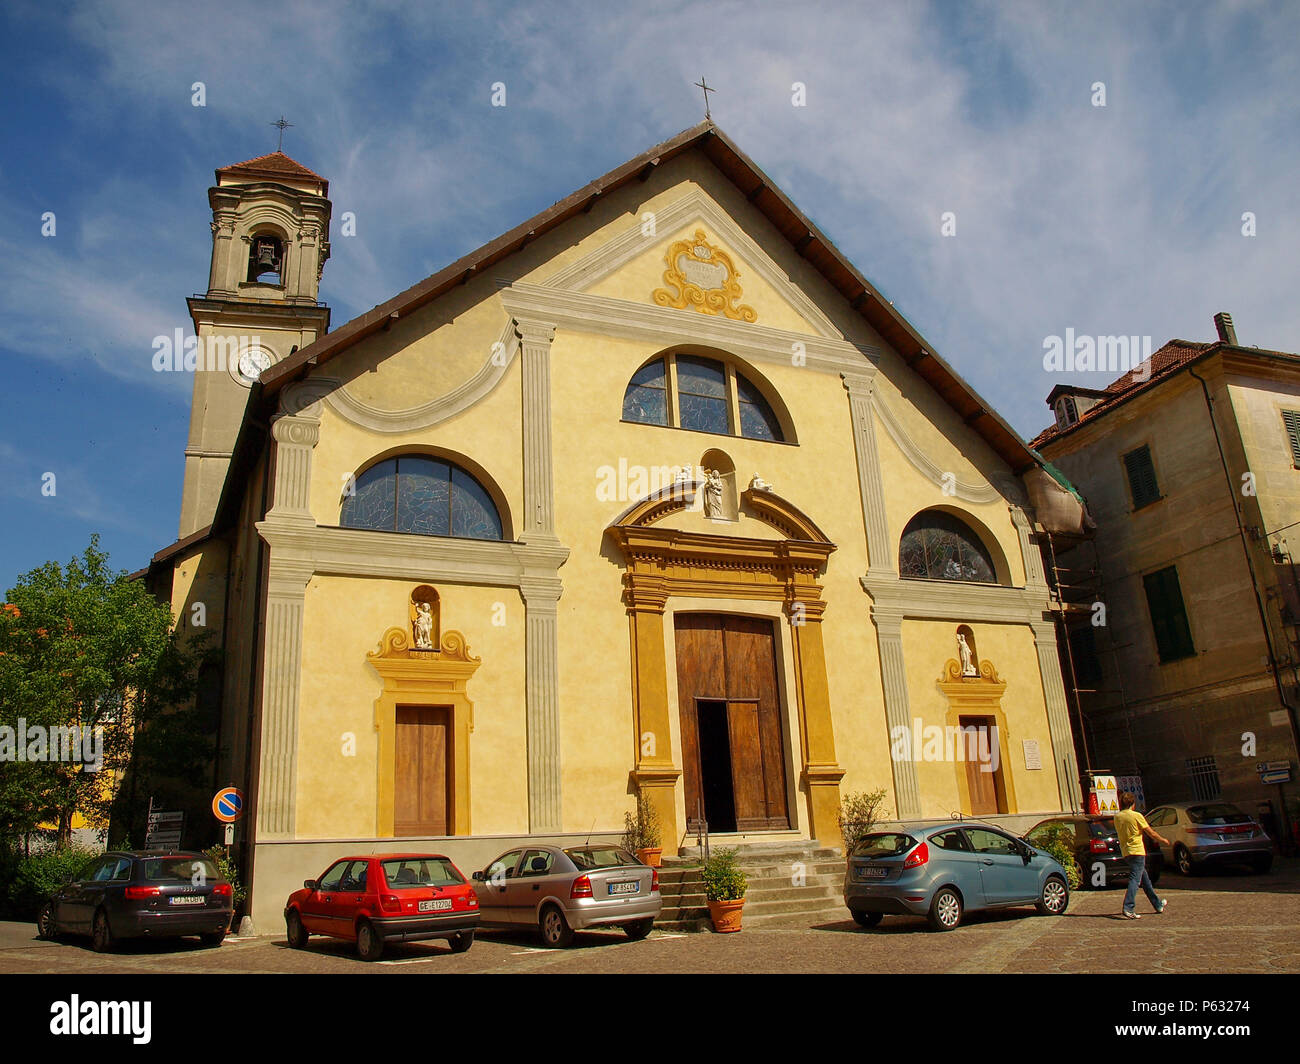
343 621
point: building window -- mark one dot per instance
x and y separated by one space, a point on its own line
1141 477
938 546
1291 419
424 496
707 393
1168 617
1067 412
1204 776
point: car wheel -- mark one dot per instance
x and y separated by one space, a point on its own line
866 919
1262 864
213 938
639 930
1183 859
555 929
945 910
370 947
101 936
295 932
461 943
1055 897
45 928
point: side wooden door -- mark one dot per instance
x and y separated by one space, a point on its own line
421 793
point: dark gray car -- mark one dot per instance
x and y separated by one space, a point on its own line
145 894
562 890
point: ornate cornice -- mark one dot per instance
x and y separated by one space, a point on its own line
664 328
894 599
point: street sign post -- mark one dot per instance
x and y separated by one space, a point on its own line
164 830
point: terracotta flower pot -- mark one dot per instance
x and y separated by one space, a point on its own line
726 915
651 857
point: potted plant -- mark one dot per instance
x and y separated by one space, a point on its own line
641 833
724 887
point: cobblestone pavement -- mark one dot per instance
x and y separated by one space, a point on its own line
1226 923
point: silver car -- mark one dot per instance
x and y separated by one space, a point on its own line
562 890
1205 833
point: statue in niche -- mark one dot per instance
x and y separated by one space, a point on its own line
759 484
967 658
713 486
423 627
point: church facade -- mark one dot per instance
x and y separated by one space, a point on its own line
654 494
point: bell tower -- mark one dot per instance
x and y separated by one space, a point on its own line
270 240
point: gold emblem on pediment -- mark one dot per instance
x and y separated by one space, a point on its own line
703 276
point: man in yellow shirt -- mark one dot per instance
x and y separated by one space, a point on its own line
1131 825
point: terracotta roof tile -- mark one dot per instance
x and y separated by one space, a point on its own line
1170 358
275 162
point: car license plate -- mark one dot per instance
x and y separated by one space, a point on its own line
187 899
435 905
629 887
872 873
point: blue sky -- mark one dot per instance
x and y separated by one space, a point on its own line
1117 220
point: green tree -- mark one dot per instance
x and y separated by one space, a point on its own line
83 646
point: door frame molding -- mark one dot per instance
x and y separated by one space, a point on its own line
423 678
663 562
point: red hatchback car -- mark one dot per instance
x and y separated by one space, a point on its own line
396 897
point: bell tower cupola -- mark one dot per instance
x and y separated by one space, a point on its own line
270 240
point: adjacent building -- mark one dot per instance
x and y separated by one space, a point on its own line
1186 656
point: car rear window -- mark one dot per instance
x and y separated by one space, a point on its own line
587 858
413 872
884 844
1219 813
176 869
1101 829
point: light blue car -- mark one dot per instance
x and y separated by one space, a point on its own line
942 871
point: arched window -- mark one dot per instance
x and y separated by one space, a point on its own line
938 546
703 394
422 495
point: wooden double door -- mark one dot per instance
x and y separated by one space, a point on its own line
733 750
422 776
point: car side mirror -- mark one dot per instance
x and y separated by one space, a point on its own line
1027 852
477 877
311 884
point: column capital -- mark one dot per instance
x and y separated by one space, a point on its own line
532 331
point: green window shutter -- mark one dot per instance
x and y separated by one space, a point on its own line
1168 615
1141 477
1291 419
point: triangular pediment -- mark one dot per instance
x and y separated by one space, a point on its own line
635 261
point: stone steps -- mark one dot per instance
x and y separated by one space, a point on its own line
771 897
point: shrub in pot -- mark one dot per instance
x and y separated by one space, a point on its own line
641 833
724 887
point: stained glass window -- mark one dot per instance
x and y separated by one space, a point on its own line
703 399
702 394
424 496
646 398
938 546
756 418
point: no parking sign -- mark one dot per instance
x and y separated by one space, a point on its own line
228 804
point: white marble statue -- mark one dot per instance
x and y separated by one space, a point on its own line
713 494
759 484
967 658
423 627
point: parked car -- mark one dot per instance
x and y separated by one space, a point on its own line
1211 833
141 894
943 871
381 898
562 890
1096 845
